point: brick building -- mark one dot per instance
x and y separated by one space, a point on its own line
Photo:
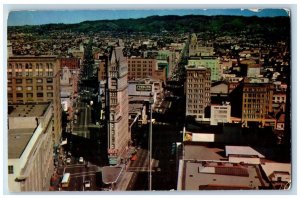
36 79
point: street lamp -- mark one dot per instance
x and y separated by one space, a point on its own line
151 101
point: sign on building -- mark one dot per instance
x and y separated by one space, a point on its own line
143 87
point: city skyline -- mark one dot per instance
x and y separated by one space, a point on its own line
39 17
181 102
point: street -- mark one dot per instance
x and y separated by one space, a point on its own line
79 174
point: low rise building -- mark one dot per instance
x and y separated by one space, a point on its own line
279 174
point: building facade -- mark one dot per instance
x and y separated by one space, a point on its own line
197 92
220 113
255 103
36 79
30 147
72 63
144 68
198 48
210 62
114 88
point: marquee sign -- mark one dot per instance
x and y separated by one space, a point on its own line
143 87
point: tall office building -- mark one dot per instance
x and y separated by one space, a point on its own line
36 79
144 68
211 62
116 102
197 92
30 149
252 102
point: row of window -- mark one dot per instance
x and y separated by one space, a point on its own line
29 95
29 88
198 101
139 73
253 116
30 74
29 81
196 111
138 61
139 69
30 65
195 106
191 80
254 90
192 96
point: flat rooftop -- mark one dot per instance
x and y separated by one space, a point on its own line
242 150
17 141
197 152
27 110
208 175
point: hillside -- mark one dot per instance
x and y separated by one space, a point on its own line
176 24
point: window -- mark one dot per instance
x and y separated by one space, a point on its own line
10 169
39 88
19 94
29 81
49 80
49 87
9 88
39 80
40 95
29 88
19 88
49 94
29 95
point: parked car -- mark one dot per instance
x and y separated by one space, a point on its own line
68 160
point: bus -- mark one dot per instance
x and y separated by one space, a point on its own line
65 180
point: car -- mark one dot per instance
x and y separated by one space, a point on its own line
68 160
87 184
80 160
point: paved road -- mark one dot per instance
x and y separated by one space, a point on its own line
79 174
83 120
142 162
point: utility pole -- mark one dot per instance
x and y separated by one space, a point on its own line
150 143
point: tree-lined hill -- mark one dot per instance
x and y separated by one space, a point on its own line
178 24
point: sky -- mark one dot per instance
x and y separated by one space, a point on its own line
19 18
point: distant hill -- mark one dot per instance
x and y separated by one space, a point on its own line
171 23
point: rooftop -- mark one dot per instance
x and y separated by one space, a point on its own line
208 175
242 150
27 110
17 141
198 152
